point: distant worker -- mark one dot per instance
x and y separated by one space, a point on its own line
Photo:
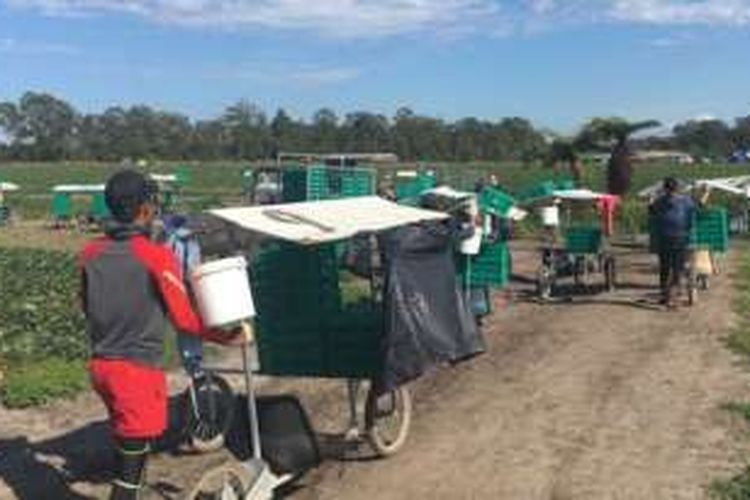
672 217
130 286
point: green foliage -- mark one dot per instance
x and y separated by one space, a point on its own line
738 487
39 382
632 217
40 311
739 340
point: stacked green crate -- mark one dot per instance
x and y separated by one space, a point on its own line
297 295
99 209
408 189
358 182
711 230
62 206
318 184
302 327
491 267
294 184
353 344
325 183
583 239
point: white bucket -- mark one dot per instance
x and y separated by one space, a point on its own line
471 246
550 216
222 291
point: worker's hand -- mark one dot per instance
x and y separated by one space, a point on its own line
242 335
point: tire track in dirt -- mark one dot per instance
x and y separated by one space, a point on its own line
586 400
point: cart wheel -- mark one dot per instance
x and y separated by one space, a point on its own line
210 410
387 420
579 270
692 289
228 481
703 282
544 283
610 274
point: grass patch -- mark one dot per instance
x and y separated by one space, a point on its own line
39 382
738 486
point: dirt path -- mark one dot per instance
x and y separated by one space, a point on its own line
604 397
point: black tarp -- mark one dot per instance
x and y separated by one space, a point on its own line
427 320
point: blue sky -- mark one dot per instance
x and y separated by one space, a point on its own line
557 62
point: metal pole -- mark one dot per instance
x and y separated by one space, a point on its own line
252 410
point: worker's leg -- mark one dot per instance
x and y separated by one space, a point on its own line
132 455
678 264
664 269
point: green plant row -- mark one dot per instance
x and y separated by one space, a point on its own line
42 337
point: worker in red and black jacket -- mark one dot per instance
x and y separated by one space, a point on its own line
131 287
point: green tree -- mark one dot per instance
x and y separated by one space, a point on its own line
704 138
247 129
324 134
40 126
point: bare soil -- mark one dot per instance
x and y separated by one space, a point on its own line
600 396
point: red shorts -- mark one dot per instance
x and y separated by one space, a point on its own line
135 396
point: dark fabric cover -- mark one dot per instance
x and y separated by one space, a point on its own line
288 442
427 319
219 238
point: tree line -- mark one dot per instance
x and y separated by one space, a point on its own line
43 127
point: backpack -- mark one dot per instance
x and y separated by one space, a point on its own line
185 246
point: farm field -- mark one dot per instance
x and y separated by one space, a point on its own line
618 400
214 183
599 396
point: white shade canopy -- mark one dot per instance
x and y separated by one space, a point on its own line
163 177
316 222
9 186
78 188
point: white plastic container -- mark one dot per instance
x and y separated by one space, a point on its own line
550 215
222 291
471 246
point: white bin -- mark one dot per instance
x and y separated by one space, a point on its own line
550 216
222 291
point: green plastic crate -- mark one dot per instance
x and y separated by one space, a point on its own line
491 267
409 189
545 189
99 209
303 329
496 202
711 230
583 240
62 206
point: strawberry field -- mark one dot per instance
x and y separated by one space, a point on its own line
42 337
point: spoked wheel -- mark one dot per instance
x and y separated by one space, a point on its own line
210 411
703 282
229 481
692 289
387 420
610 273
544 283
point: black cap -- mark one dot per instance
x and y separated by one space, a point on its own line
671 184
126 191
